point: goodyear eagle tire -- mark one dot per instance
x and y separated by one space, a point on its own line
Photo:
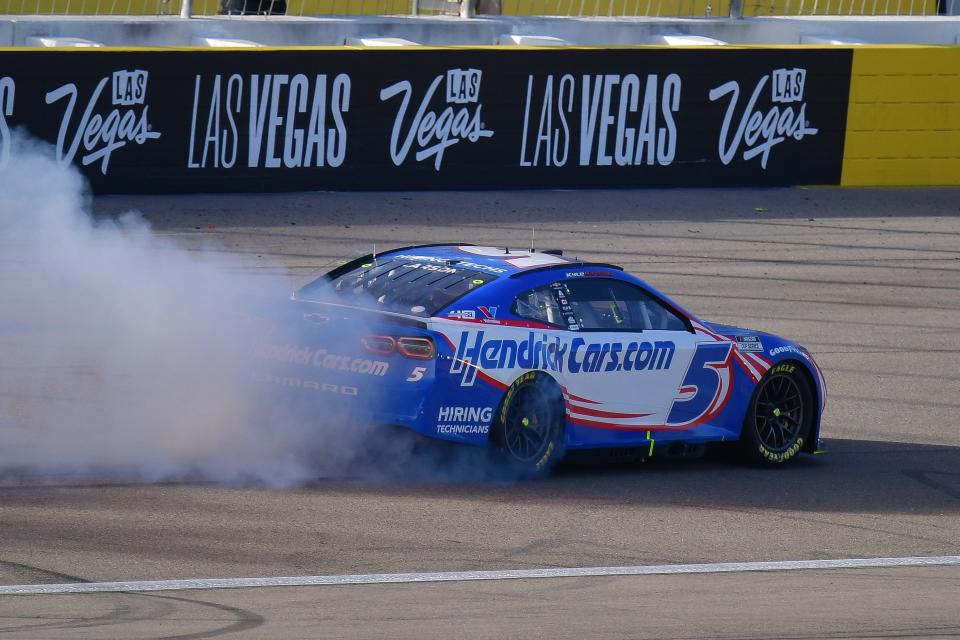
529 431
779 418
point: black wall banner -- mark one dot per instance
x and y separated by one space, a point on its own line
153 121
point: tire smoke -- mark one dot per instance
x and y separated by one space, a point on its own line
123 353
127 357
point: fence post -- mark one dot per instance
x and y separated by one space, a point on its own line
736 9
186 8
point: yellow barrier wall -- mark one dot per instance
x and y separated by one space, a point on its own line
903 122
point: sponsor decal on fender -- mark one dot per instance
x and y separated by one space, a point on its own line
305 383
465 414
624 120
464 420
749 344
551 353
436 131
291 121
760 131
100 134
538 351
7 91
787 349
463 429
319 358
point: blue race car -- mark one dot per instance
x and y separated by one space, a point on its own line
537 354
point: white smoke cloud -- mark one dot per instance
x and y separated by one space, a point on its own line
124 356
123 353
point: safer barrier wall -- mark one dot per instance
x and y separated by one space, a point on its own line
903 122
142 120
175 120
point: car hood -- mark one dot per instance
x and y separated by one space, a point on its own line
773 345
730 331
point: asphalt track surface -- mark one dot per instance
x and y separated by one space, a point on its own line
869 280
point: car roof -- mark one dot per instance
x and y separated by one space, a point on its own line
503 266
499 261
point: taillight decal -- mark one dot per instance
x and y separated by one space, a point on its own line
381 345
416 348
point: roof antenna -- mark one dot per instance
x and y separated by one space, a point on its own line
533 235
374 253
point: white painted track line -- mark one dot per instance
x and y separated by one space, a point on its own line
457 576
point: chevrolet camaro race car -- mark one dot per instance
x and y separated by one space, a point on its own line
537 354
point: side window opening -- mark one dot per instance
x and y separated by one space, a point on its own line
598 304
540 305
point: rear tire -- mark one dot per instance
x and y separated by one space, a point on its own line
530 428
779 418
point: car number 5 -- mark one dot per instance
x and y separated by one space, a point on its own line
416 374
705 385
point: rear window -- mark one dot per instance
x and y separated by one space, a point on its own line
401 285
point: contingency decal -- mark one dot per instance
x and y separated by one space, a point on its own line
749 344
754 364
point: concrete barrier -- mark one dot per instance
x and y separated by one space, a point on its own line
378 41
519 40
60 41
294 119
681 40
490 117
833 40
6 34
223 43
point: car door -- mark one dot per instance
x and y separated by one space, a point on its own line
626 354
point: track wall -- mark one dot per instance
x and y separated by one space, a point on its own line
903 122
189 120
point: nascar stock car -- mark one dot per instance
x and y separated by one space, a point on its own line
537 354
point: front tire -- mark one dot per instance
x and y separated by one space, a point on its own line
779 418
530 429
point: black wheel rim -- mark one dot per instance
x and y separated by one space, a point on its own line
529 424
779 413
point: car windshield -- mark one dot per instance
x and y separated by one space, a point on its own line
401 285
